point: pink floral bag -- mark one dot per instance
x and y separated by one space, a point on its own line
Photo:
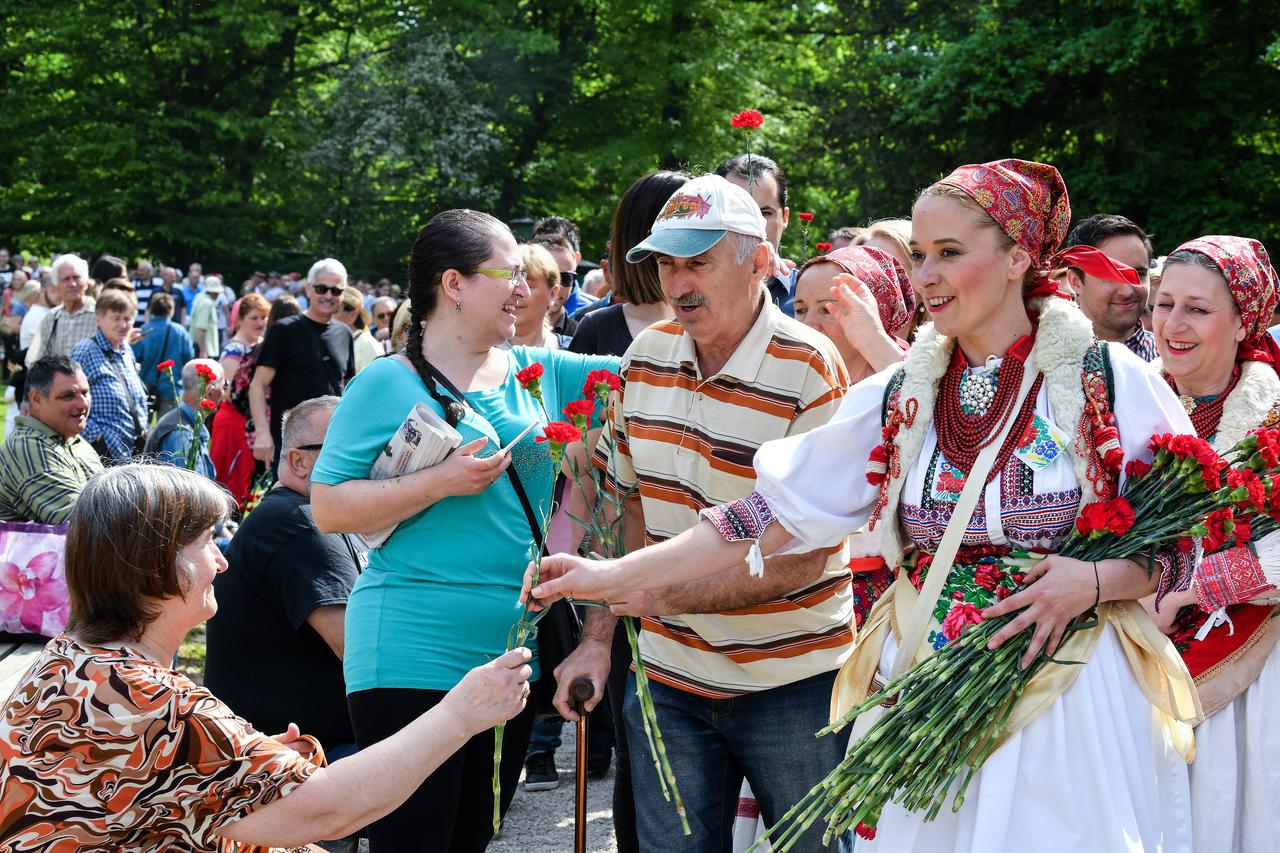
33 586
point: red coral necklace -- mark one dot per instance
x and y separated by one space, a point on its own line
962 432
1205 414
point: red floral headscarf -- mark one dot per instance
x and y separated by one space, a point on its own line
884 277
1245 265
1027 200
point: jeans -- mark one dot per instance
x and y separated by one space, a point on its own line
768 737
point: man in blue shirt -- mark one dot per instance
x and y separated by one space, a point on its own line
191 288
162 340
170 441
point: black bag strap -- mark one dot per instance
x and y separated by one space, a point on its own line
534 527
119 372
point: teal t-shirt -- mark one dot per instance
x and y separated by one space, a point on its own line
440 596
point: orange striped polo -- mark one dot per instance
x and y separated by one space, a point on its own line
686 442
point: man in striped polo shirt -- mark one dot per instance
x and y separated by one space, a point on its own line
741 667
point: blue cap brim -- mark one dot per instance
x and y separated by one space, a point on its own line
676 242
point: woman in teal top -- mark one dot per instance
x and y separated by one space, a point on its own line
441 595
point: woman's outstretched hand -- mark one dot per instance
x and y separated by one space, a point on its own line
570 576
1063 588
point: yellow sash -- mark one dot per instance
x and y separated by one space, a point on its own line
1155 662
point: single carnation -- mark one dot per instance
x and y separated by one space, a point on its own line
806 218
601 383
167 364
531 380
208 405
206 373
1135 468
747 120
560 433
580 412
823 247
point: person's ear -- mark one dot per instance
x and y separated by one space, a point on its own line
762 263
451 286
1019 263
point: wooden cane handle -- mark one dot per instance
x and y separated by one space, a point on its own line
579 692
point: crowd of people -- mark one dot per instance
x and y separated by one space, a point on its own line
791 439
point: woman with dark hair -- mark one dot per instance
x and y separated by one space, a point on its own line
104 747
1010 379
1216 298
440 595
609 331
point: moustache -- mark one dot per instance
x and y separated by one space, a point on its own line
692 300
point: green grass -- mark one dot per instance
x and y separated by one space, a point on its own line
191 655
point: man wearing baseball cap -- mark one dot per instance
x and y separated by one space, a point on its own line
741 666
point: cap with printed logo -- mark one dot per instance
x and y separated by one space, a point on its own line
697 216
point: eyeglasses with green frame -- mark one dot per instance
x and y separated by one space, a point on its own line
516 276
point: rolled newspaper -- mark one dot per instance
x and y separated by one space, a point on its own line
423 440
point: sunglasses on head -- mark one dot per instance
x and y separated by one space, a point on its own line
322 289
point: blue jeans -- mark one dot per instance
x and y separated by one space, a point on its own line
768 737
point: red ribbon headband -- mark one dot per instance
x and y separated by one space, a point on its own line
1096 264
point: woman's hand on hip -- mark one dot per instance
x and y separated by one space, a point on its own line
463 473
1063 588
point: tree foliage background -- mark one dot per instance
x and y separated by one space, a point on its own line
248 133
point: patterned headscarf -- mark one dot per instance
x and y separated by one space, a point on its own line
884 277
1245 265
1027 200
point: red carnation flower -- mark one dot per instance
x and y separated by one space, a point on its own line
531 380
167 364
823 247
806 218
1243 527
747 120
1113 516
580 412
1246 489
1215 529
208 404
206 373
1135 468
600 384
865 831
560 433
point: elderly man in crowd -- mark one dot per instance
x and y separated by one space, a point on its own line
117 426
302 357
73 320
741 667
171 440
44 462
162 340
767 183
1115 307
275 647
383 313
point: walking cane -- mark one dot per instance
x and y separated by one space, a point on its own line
579 692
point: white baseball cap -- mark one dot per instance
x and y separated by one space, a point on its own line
697 216
211 284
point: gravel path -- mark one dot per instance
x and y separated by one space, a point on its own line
542 821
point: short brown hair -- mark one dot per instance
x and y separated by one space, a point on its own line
112 301
125 532
251 302
161 305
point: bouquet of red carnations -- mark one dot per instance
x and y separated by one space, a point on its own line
952 707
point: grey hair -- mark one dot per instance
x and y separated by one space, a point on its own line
385 300
74 260
190 379
327 265
296 429
744 247
1192 258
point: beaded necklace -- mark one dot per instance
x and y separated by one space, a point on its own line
965 425
1206 413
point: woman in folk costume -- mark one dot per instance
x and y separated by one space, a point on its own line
1211 319
1094 756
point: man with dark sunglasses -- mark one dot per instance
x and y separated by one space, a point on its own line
302 357
384 314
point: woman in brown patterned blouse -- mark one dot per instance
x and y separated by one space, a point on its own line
104 746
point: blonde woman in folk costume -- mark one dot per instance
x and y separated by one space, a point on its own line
1216 298
1098 763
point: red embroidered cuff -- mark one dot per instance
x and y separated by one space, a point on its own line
1231 576
742 520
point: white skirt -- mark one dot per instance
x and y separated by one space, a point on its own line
1095 773
1235 780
